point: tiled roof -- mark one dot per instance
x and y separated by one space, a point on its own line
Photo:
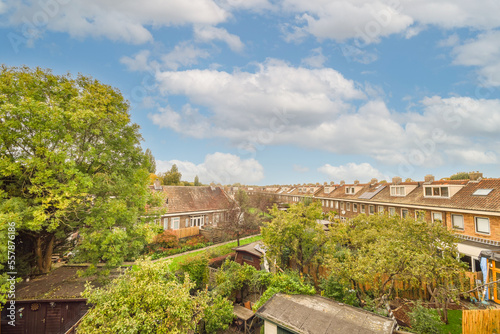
463 199
191 199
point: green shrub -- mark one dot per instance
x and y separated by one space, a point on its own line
424 320
197 269
336 289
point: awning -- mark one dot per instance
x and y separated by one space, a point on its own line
473 249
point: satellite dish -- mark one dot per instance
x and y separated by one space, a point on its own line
343 212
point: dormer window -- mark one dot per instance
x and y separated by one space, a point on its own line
349 190
398 191
436 192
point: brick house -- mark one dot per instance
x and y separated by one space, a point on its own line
470 208
192 206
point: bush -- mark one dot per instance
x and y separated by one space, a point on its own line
197 269
163 241
334 288
218 315
424 320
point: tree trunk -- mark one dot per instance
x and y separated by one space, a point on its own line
44 246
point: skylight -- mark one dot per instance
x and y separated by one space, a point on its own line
481 192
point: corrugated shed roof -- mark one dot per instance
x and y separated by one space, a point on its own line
319 315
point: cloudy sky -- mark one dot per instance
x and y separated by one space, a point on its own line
285 91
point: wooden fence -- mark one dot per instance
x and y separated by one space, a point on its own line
481 321
402 289
186 232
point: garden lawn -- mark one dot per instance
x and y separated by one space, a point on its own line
212 252
454 322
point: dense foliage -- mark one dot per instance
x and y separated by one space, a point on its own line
424 320
196 267
70 160
294 238
150 299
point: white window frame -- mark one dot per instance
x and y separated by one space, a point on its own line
407 213
175 221
370 207
165 223
363 209
348 206
392 211
434 213
337 205
475 224
341 205
187 222
355 207
380 209
453 222
398 191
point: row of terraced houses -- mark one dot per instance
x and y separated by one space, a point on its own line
470 208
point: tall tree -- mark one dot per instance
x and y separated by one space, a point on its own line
379 250
151 160
172 177
197 181
294 237
70 160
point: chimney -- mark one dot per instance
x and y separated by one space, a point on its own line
332 183
325 183
429 178
342 183
475 176
397 180
157 184
356 182
373 181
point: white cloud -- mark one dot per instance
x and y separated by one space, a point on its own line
253 5
370 20
184 54
482 52
210 33
126 20
316 59
473 156
139 62
318 109
350 172
219 167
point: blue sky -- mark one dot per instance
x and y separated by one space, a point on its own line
289 91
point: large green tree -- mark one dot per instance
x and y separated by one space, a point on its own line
151 160
380 250
294 238
149 298
70 161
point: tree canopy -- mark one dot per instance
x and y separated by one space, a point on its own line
70 161
151 160
294 237
172 177
150 299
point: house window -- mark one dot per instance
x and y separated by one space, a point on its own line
436 192
175 223
372 209
348 206
337 205
437 217
342 205
347 190
216 218
380 209
355 207
419 215
187 222
362 208
398 191
197 221
165 223
392 211
352 190
457 222
482 225
404 213
247 258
